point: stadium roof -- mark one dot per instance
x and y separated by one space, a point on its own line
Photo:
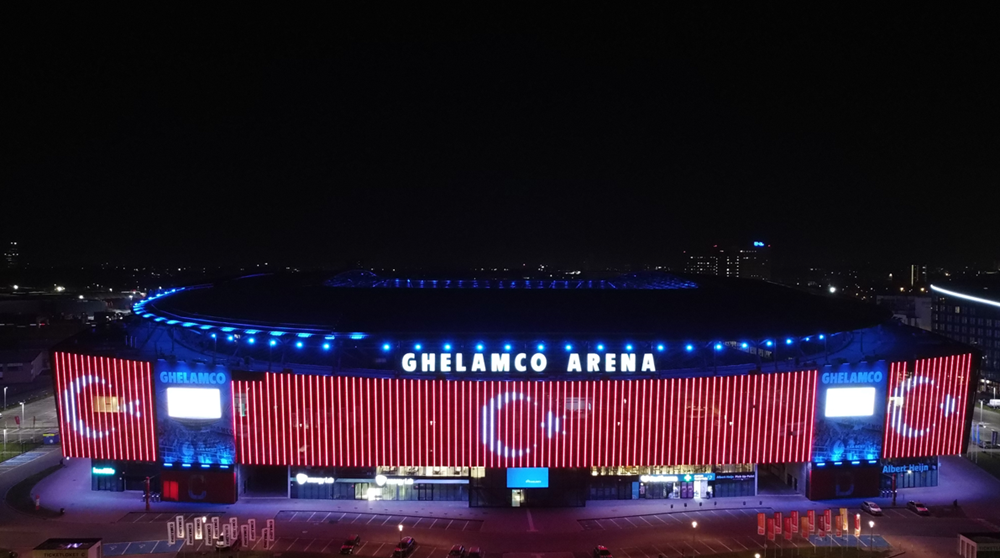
649 304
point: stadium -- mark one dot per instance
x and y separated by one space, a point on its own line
506 391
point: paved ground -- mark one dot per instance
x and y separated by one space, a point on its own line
377 519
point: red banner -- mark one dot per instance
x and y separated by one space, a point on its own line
837 531
761 523
827 519
804 529
857 525
811 514
770 528
820 532
777 523
788 528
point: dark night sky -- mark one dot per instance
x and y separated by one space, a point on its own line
480 138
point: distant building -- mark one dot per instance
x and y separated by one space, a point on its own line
971 315
909 309
918 275
749 262
10 256
22 366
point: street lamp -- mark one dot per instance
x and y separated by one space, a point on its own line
871 534
400 531
694 529
22 415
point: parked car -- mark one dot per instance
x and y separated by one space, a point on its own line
350 544
601 551
917 508
871 507
457 551
222 546
476 552
405 547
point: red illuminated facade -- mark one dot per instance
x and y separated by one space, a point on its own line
927 407
106 407
322 421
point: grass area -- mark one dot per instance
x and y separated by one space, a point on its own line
14 449
988 461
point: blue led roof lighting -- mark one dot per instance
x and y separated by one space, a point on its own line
541 347
298 344
357 336
326 346
230 338
506 347
277 333
718 346
822 337
600 347
213 336
660 347
304 335
479 346
273 342
447 346
788 341
768 343
569 347
744 345
386 346
251 340
689 348
418 347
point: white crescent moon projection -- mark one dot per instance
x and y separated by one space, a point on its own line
71 399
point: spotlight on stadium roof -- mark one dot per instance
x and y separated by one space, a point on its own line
541 347
506 347
230 338
386 346
788 341
213 336
833 289
600 347
447 346
417 347
822 337
298 344
768 343
744 345
569 347
689 348
251 340
479 346
273 342
326 346
628 347
718 346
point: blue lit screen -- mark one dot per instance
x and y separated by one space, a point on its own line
528 477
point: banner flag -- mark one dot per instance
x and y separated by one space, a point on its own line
761 523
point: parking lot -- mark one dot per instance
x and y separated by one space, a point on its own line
376 519
154 517
671 518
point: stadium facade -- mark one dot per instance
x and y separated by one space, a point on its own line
512 392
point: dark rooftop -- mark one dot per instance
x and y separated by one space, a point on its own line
652 304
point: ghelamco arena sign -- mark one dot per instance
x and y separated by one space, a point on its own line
522 362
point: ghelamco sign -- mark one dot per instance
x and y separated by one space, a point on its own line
520 362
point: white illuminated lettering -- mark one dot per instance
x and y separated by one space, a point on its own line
519 362
459 367
593 362
538 362
628 362
427 362
500 363
647 363
409 362
446 362
478 363
609 362
574 363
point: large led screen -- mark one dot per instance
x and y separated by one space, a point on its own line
928 406
105 407
850 403
195 414
528 477
286 419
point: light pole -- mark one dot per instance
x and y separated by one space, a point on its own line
5 398
694 529
871 534
400 531
22 415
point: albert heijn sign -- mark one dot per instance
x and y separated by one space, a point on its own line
506 362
